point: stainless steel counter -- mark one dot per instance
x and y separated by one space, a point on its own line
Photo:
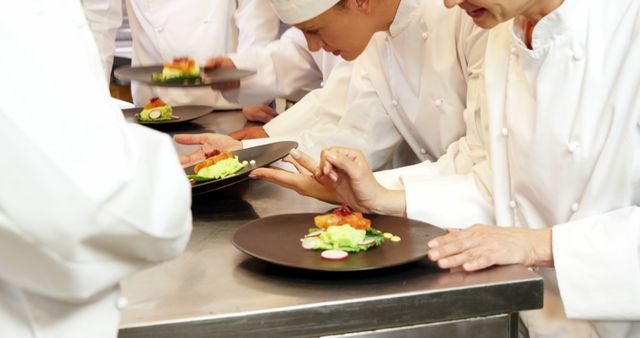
214 290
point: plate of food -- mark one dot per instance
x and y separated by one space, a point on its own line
157 112
181 72
221 169
341 240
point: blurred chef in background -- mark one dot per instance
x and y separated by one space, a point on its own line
283 67
76 212
163 30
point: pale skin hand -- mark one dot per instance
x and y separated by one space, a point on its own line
260 113
249 133
354 181
222 62
208 142
482 246
304 182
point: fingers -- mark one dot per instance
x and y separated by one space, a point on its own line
239 134
262 113
249 133
219 62
191 139
302 170
451 244
302 184
304 160
470 260
344 164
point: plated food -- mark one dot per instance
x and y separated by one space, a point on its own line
156 111
249 158
180 70
340 232
218 164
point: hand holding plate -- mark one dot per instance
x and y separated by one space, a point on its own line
208 142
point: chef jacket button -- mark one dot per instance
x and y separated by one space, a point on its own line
574 207
425 35
394 102
122 302
573 147
512 204
159 29
438 102
363 73
423 151
322 84
514 51
206 22
504 132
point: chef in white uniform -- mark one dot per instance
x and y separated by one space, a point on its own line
283 67
86 198
164 29
407 90
559 119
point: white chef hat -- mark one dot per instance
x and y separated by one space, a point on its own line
296 11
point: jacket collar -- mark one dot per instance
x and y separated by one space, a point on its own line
406 10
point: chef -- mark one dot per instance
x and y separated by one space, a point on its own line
407 90
283 67
560 120
86 199
163 29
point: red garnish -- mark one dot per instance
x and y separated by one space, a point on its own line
343 210
154 103
213 153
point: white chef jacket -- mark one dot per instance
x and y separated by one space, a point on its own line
164 29
407 91
562 125
282 67
86 199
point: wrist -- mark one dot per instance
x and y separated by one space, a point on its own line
390 202
542 249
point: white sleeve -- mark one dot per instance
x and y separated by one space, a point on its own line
257 23
86 198
283 67
347 112
104 17
597 262
455 191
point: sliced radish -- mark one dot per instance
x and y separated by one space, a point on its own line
334 255
314 234
367 241
310 243
155 114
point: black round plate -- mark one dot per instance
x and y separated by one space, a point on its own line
276 239
186 114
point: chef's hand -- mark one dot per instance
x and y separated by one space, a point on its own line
352 179
222 62
208 142
303 182
260 113
482 246
249 133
